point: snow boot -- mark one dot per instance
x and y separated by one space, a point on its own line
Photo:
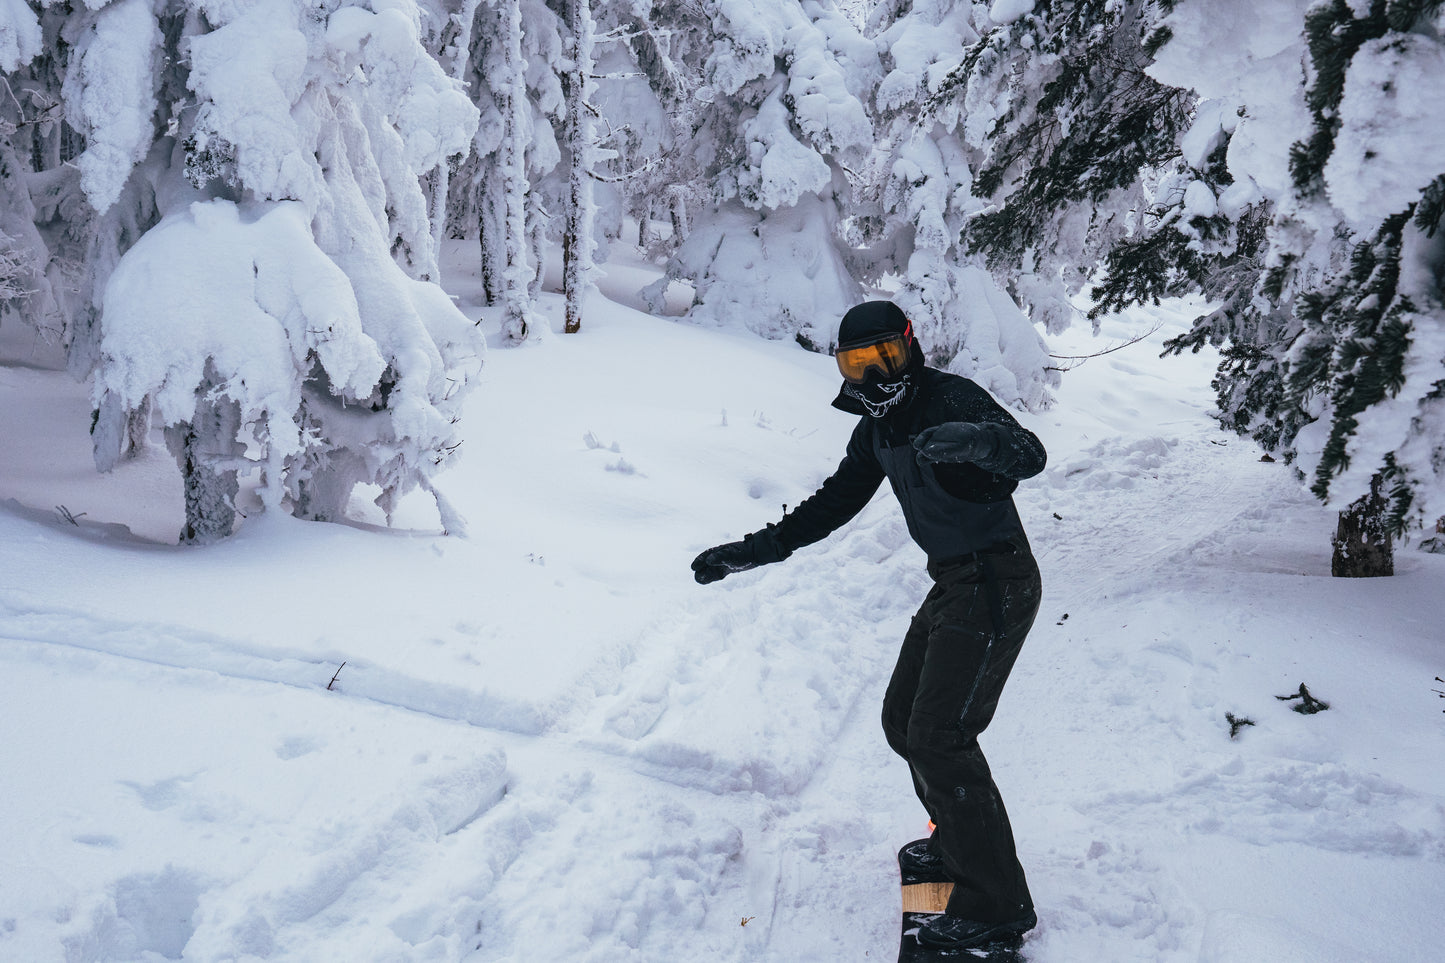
956 933
918 863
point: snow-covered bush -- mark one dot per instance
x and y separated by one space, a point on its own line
784 279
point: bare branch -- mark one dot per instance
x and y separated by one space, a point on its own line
1081 358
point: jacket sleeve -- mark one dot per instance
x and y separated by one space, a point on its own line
837 500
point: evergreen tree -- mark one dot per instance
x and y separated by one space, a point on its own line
233 194
513 73
920 203
1059 121
1335 360
781 119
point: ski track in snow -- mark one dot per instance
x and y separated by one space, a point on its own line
710 781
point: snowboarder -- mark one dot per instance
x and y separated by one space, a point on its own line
953 457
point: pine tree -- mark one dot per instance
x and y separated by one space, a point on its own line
1060 121
230 197
919 203
1331 360
781 119
509 188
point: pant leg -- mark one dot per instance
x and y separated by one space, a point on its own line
903 687
975 620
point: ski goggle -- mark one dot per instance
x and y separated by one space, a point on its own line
889 357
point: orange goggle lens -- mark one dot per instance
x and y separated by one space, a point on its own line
889 358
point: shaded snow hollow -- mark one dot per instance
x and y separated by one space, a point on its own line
546 742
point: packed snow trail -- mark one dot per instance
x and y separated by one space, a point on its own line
548 735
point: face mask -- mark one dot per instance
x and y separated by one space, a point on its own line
879 398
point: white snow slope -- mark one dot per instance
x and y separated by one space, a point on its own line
548 743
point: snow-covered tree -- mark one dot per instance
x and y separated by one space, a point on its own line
57 250
236 190
923 203
646 111
448 27
514 74
782 116
24 288
1059 122
611 136
1337 361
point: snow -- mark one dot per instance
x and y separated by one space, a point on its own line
779 273
1244 54
780 168
1214 120
1003 352
286 300
19 35
342 741
1007 11
1390 145
1199 200
111 97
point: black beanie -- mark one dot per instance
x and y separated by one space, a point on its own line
871 319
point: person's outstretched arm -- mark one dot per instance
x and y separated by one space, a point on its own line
841 497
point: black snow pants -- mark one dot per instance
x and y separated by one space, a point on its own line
956 656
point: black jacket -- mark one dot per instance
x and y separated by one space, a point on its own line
951 510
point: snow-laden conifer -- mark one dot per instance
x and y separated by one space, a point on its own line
1335 361
240 186
513 74
1059 121
965 321
782 115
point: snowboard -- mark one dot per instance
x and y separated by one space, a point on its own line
925 898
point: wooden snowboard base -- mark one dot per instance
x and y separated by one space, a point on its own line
926 897
921 902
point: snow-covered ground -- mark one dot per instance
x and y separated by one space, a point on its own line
546 742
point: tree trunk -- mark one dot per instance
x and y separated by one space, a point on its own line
456 38
1363 547
118 434
577 235
517 320
206 450
491 222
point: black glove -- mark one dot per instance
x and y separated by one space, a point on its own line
759 548
955 442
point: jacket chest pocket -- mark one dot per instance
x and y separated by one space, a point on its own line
904 473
